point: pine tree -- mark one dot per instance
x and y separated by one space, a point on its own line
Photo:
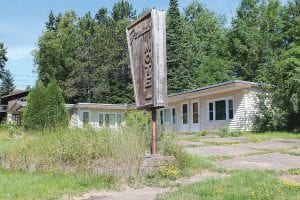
7 83
178 73
45 108
3 58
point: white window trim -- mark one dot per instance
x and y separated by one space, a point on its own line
104 122
192 111
214 108
81 116
163 116
188 113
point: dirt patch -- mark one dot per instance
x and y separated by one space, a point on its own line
145 193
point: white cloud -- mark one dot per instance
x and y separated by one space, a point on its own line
16 53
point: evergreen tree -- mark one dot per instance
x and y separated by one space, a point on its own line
45 108
3 58
7 83
123 10
178 72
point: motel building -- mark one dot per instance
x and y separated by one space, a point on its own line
232 105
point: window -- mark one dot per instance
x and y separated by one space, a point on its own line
211 111
220 109
101 120
85 117
167 116
230 108
195 113
110 120
184 113
173 115
119 119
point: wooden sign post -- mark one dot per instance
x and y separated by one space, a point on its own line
146 39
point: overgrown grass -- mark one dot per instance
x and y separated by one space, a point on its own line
49 185
79 149
250 184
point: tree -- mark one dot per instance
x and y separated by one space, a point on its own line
7 83
178 72
256 37
285 93
3 58
123 10
208 60
45 108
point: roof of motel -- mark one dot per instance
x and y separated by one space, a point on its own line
104 106
213 89
188 94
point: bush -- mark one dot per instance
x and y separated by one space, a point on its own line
45 108
140 121
11 128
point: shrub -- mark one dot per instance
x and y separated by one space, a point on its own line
45 108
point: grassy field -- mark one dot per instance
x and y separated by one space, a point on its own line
52 152
250 184
49 185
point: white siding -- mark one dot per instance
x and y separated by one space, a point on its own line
77 121
251 107
238 121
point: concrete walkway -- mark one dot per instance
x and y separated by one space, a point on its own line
145 193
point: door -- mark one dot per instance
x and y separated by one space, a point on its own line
195 116
184 125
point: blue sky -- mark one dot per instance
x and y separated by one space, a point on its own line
22 22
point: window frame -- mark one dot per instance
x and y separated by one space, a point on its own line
106 124
172 117
82 117
213 101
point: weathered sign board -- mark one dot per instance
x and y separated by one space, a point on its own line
146 39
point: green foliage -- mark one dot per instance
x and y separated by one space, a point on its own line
80 149
256 37
88 56
45 108
11 128
280 106
139 120
249 184
7 83
3 58
20 185
225 132
207 55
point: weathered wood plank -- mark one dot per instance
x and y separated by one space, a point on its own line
146 39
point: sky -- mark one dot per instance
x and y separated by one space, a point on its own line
22 22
